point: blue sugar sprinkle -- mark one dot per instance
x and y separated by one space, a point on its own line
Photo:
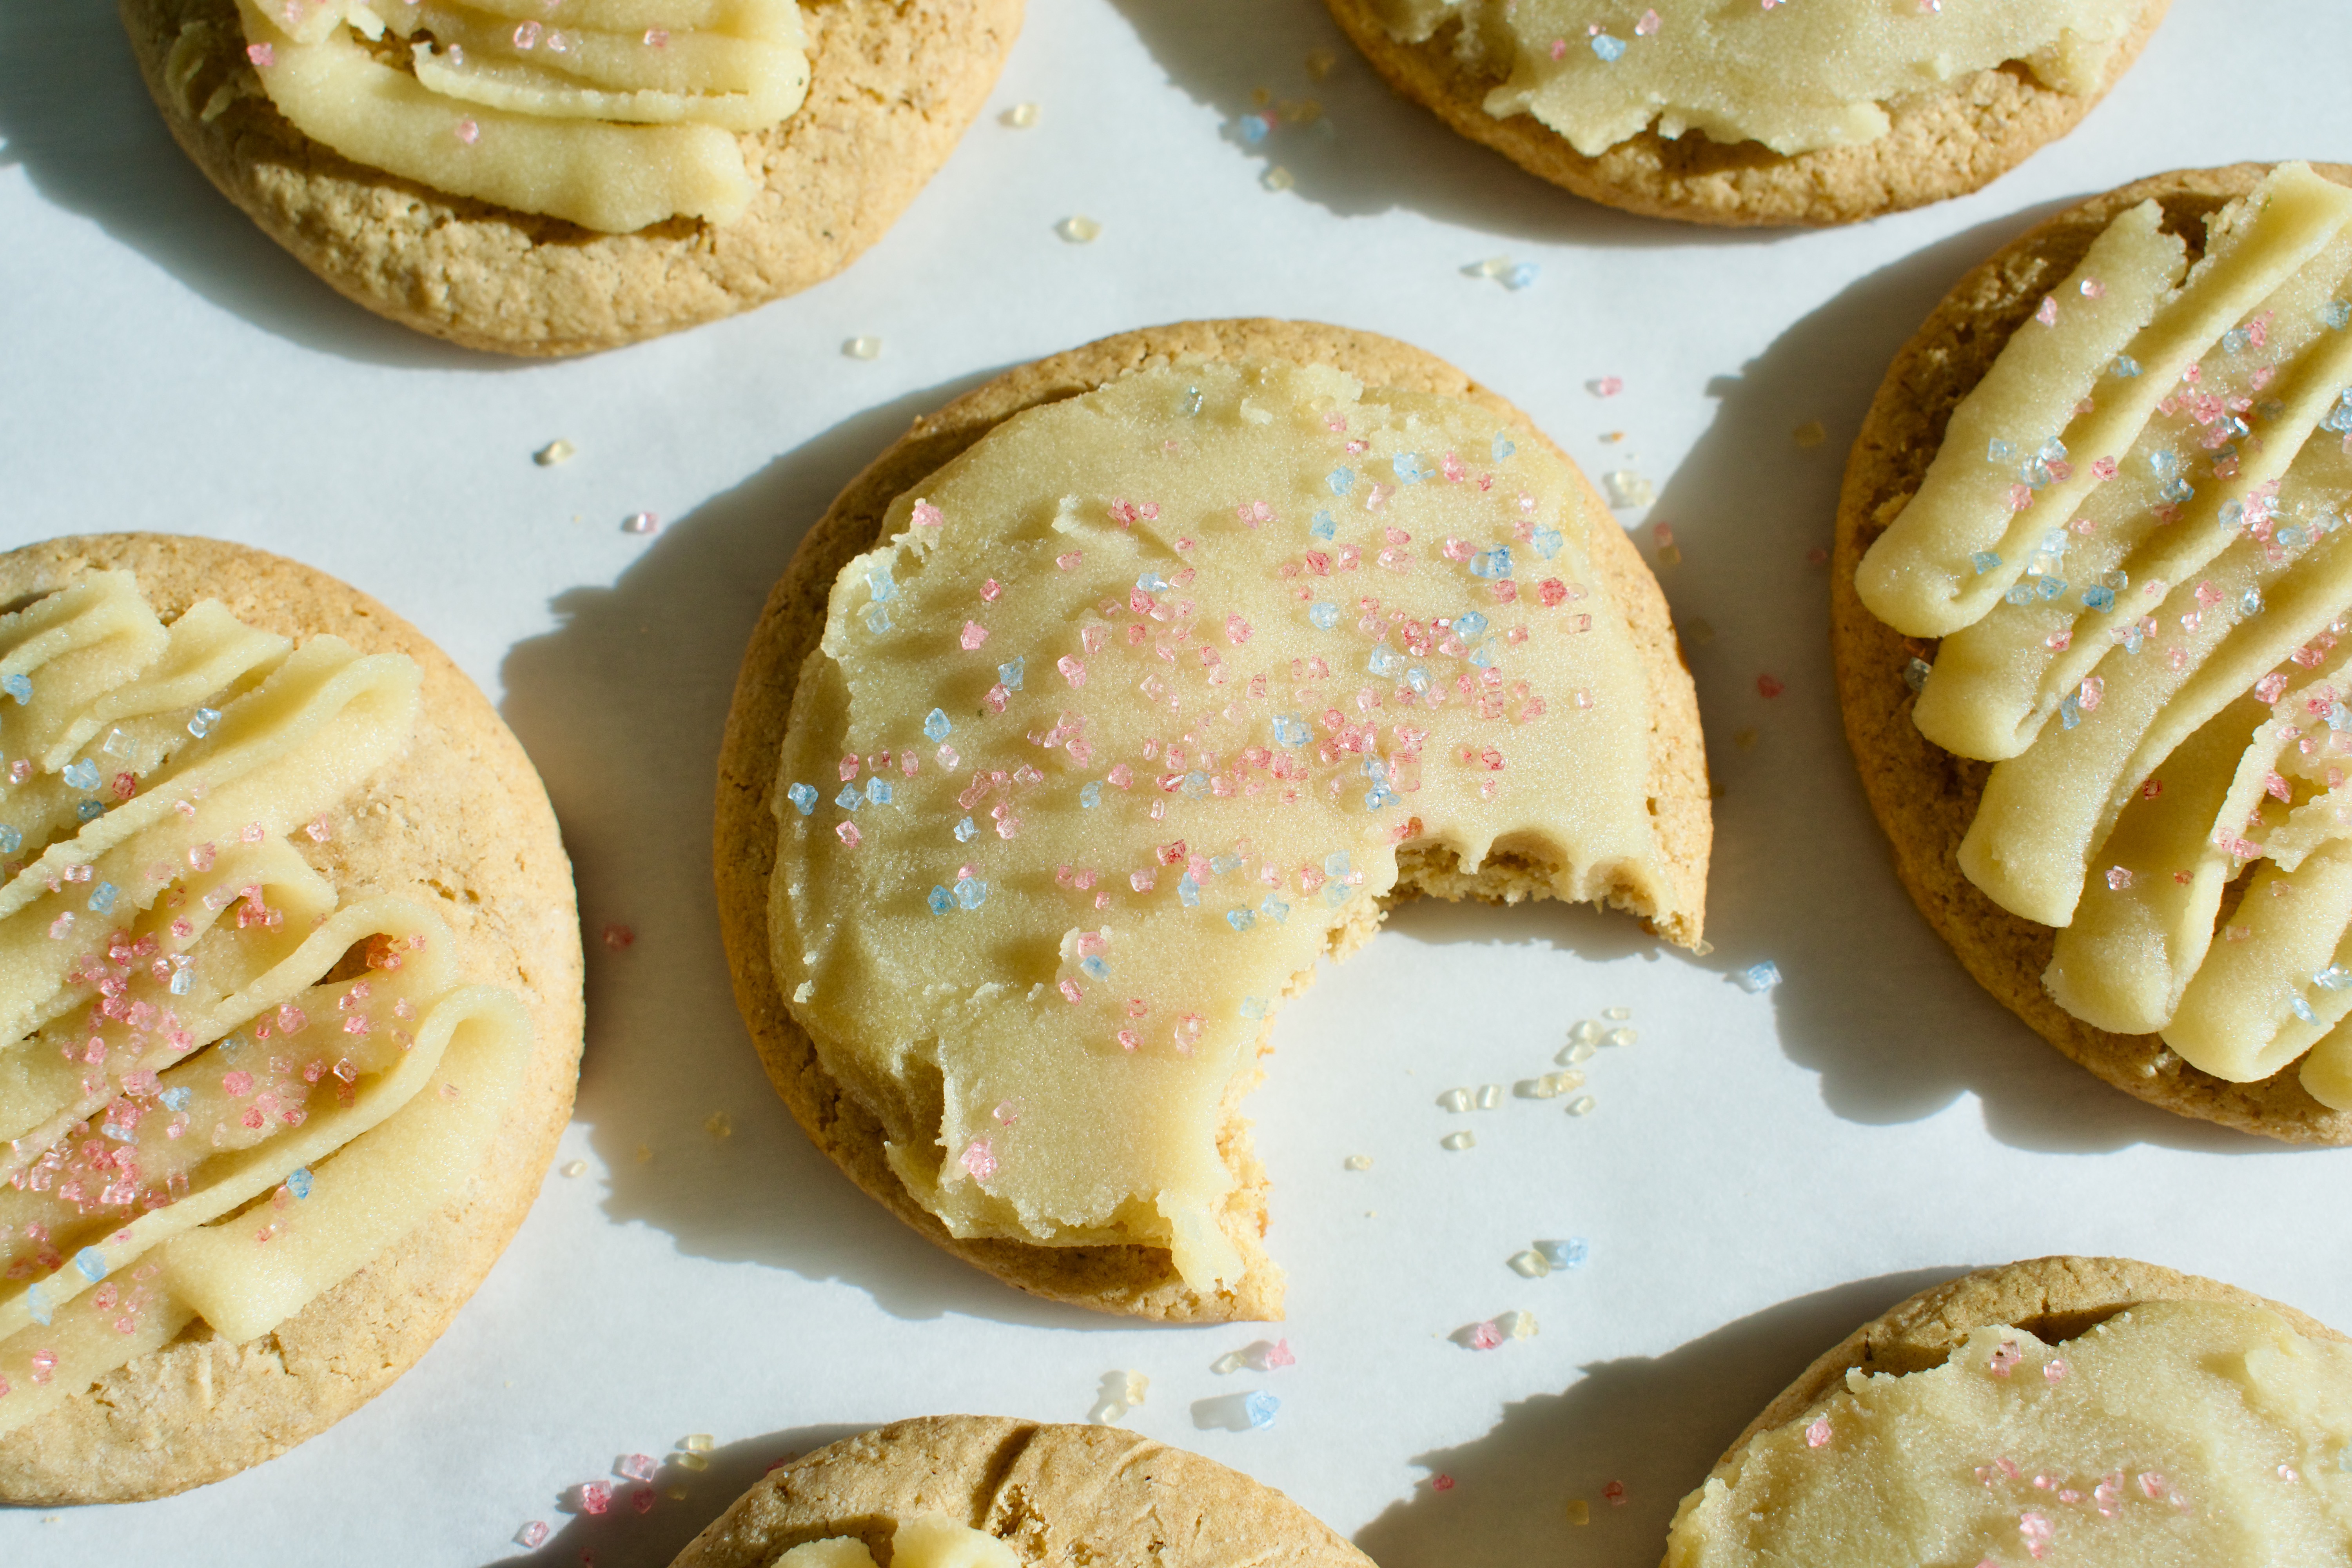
1188 891
1999 451
1546 542
936 726
940 901
2100 599
2338 315
1252 127
1324 616
1608 46
1260 1408
2164 462
82 774
1341 480
878 791
2250 603
19 687
177 1097
90 810
2125 366
202 724
10 840
1337 864
1984 560
1485 657
1223 864
2335 977
1492 563
1408 468
1254 1007
1290 730
1324 527
1091 795
1471 627
1275 909
1095 967
965 832
971 893
1567 1254
297 1181
1759 977
2233 512
1152 583
878 581
1418 678
2177 490
1916 674
850 798
39 1304
1504 447
2019 593
2070 711
2049 587
101 897
803 796
90 1264
1521 276
877 619
1384 660
2235 339
1196 784
2303 1009
1010 674
182 982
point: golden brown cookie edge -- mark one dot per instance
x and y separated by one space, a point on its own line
1130 1279
1998 118
488 278
139 1435
1055 1493
1923 797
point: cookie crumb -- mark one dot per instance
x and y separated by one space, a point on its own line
1020 116
554 452
1579 1512
1277 178
1078 230
1812 433
1458 1141
1320 63
1669 552
718 1126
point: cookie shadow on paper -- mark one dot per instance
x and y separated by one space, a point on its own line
1626 1441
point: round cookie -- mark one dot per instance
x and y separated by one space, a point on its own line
1053 1494
1925 798
1123 1278
1937 147
891 89
2052 1298
461 821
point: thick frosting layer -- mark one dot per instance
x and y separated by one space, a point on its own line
225 1087
612 114
2200 1434
2132 546
1793 77
1124 726
926 1541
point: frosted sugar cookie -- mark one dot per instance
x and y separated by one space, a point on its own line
2090 590
1118 692
2072 1412
1726 113
978 1491
559 176
290 968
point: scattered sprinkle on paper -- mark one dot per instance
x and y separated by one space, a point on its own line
1277 178
641 522
718 1126
554 452
1812 433
1020 116
575 1167
863 348
1627 489
1078 230
1605 386
1759 977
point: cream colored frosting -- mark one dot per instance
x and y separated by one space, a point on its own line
926 1541
2179 1435
1152 683
170 1048
2131 545
612 114
1797 76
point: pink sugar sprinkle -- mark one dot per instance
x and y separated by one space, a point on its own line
2004 1357
1647 26
2020 497
1129 1039
1255 514
978 1160
596 1496
643 1499
261 55
531 1535
619 937
1442 1483
848 833
1071 992
657 37
636 1466
1237 630
1069 562
2048 314
1817 1435
1608 385
1769 686
974 634
2151 1484
1486 1336
990 590
2054 1370
1615 1492
928 516
1073 671
468 133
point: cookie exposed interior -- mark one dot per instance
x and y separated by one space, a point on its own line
1939 146
890 93
1131 1278
1055 1494
459 822
1923 797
